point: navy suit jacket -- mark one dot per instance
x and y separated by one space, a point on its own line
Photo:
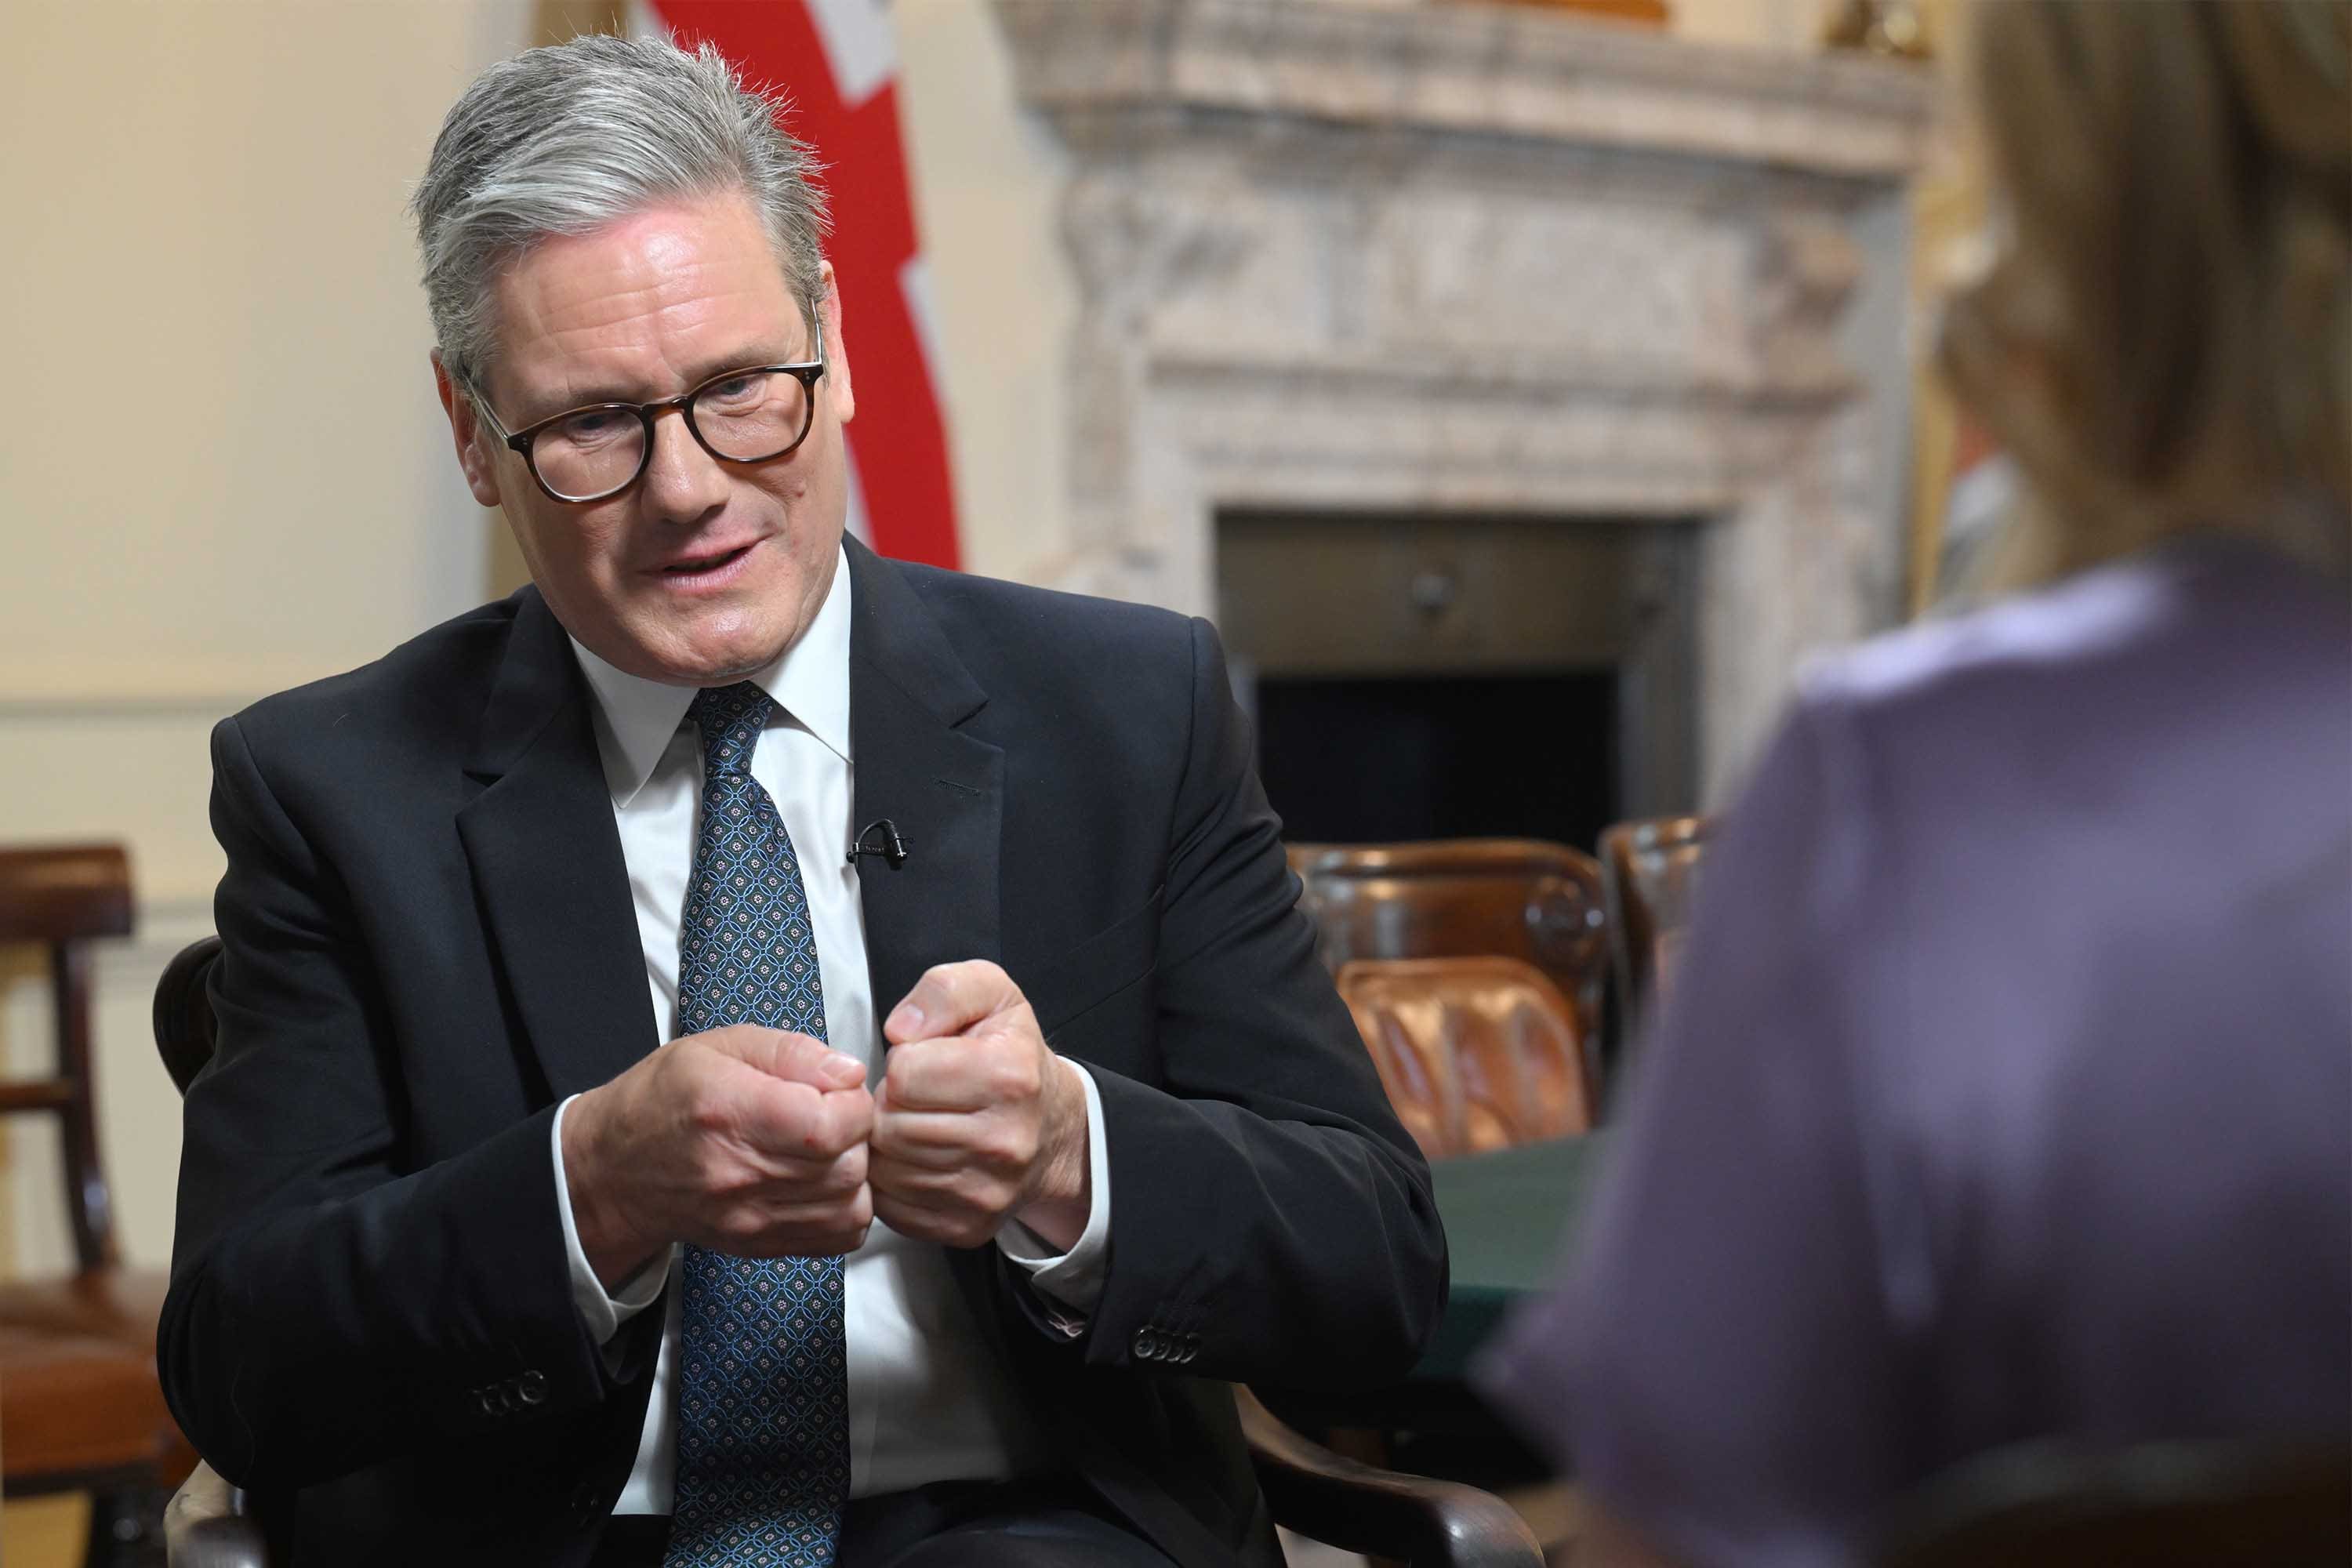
429 942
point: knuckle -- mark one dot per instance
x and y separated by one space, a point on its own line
702 1111
1013 1078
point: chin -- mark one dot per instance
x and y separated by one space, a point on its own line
715 661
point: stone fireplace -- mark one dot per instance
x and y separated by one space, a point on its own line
1526 345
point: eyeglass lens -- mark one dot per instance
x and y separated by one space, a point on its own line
748 417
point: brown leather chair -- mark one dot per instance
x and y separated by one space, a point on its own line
1311 1489
1476 1053
80 1408
1650 872
1527 899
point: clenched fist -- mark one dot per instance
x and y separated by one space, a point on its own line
976 1120
744 1140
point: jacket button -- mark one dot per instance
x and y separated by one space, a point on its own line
484 1402
532 1388
1147 1345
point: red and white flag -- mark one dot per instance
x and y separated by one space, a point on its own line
838 63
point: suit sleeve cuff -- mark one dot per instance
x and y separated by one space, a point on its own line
1072 1279
605 1312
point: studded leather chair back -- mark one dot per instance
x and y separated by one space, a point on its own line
1476 1053
1511 898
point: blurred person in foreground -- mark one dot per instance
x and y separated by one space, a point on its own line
600 1162
2007 1089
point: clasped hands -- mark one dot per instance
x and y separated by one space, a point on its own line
764 1143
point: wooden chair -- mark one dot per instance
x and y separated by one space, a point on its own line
1311 1489
1476 1053
80 1408
2231 1503
1649 874
1539 902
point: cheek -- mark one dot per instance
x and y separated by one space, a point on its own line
582 553
592 546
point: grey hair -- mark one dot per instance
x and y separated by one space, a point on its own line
565 138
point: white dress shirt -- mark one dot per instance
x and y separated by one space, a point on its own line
927 1402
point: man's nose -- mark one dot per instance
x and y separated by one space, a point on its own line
682 482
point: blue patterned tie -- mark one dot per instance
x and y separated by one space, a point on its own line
763 1393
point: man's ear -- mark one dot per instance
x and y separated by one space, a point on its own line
465 429
837 352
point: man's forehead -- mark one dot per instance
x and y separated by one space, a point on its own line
625 309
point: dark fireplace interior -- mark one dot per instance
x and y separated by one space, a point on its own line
1417 677
1374 759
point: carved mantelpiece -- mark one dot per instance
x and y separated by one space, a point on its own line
1458 258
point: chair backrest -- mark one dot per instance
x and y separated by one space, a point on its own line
1650 872
1476 1053
184 1030
1461 897
64 897
2223 1504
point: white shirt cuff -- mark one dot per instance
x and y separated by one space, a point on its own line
602 1311
1075 1277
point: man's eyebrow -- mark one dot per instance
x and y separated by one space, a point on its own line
700 371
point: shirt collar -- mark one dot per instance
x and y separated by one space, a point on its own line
637 718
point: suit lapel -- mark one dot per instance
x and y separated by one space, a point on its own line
909 693
548 872
943 786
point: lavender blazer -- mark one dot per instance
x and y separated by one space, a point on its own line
2008 1089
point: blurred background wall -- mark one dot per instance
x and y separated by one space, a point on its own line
222 471
226 470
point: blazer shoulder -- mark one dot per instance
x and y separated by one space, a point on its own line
1062 643
428 689
1057 622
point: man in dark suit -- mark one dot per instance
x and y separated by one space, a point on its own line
471 1267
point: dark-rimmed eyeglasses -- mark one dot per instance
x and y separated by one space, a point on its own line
754 414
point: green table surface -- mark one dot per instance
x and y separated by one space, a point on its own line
1509 1216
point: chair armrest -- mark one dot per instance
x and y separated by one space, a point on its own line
1357 1507
206 1526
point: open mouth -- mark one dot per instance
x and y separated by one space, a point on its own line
706 565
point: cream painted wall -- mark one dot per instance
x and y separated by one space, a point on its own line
987 186
225 467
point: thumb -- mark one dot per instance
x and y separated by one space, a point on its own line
794 1058
950 998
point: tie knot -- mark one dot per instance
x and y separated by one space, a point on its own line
730 719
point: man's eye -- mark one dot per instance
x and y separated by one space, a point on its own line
736 390
591 426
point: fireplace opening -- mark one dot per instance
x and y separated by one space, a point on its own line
1461 676
1377 758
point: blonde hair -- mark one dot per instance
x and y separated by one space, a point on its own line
2163 336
